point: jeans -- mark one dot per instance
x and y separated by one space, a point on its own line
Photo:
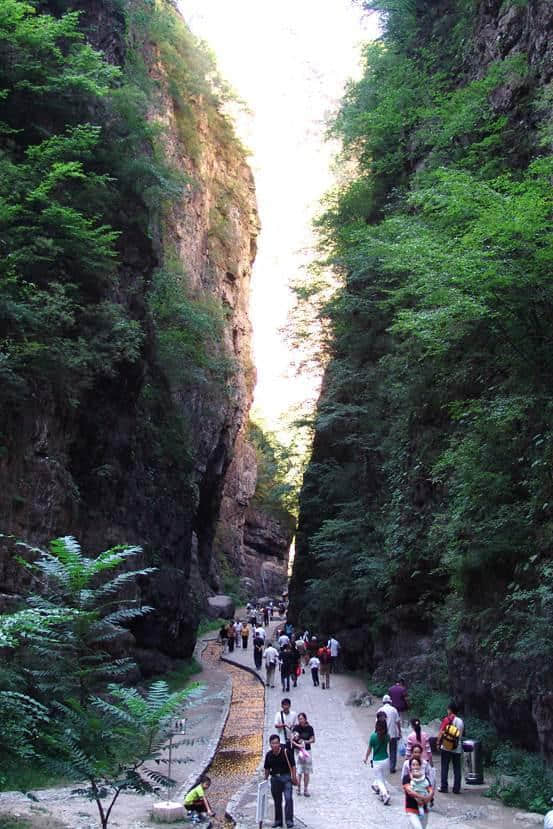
285 679
455 758
281 784
315 675
393 752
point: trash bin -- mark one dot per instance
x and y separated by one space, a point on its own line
474 764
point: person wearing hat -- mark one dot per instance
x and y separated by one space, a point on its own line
393 721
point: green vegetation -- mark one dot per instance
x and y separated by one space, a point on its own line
91 290
60 709
523 779
277 484
427 505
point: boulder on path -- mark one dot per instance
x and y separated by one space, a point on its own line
220 607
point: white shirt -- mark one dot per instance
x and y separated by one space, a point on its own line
334 646
270 655
283 640
393 720
314 662
259 631
290 720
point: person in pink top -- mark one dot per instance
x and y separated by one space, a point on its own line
419 736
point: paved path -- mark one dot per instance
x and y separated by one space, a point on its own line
340 785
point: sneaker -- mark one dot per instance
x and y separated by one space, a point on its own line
386 800
375 788
306 794
443 791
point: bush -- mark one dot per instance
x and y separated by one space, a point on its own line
523 779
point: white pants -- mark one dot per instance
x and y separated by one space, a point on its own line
418 822
380 770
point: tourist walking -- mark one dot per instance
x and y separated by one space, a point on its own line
237 632
314 664
285 667
324 659
427 766
280 766
418 794
450 742
266 616
334 647
378 747
398 693
230 636
393 724
245 633
285 721
418 736
223 636
270 656
295 659
258 647
302 739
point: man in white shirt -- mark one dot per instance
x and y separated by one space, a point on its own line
285 721
393 721
270 655
334 647
283 639
260 631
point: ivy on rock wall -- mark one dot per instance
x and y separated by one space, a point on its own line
428 503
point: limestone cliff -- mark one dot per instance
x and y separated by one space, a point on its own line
403 549
142 455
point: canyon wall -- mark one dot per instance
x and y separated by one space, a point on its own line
141 453
417 541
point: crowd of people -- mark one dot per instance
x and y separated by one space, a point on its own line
395 739
418 775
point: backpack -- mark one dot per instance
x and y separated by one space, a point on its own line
450 737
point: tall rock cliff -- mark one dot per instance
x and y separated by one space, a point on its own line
129 440
425 524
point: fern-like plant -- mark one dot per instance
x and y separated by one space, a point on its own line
116 744
86 608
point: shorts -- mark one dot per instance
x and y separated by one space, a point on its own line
304 765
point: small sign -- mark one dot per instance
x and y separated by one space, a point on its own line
262 797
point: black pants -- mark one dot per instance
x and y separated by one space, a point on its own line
393 753
285 679
455 758
281 784
315 675
231 644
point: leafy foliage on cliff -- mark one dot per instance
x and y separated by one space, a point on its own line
429 494
95 314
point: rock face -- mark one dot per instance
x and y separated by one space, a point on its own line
145 456
255 543
422 631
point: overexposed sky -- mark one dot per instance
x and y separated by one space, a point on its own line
289 61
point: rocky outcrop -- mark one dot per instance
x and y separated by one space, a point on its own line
265 552
253 542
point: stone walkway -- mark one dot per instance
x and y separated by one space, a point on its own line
340 785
